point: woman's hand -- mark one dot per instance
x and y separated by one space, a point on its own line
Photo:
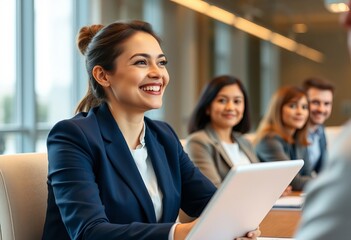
182 230
251 235
287 191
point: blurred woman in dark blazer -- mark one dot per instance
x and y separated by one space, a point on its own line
282 133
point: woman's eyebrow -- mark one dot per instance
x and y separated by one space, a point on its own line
146 55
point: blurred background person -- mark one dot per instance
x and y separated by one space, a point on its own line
216 129
327 210
320 97
282 133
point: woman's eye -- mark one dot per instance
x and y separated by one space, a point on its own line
163 62
140 62
293 105
222 100
238 101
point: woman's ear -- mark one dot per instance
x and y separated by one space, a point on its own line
100 76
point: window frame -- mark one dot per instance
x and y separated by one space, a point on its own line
26 129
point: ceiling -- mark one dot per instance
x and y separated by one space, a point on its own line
281 15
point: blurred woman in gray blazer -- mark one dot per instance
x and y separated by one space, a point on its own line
215 143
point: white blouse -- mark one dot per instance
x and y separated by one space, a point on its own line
235 154
147 172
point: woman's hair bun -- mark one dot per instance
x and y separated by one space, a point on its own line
85 35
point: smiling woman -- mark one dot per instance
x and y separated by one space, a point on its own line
137 81
215 143
218 122
114 173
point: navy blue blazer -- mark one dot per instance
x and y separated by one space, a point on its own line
95 190
323 147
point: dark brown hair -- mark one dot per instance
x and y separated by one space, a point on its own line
101 46
317 82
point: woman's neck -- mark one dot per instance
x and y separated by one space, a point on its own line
130 123
290 131
224 134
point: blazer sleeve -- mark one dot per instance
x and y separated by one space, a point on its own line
326 212
202 153
273 149
71 175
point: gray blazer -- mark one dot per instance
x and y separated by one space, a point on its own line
206 151
275 148
327 209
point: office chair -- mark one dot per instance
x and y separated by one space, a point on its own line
23 195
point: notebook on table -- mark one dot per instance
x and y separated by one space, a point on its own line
244 198
289 203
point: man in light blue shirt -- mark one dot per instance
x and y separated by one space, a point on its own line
320 96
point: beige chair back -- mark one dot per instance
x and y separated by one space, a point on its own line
23 195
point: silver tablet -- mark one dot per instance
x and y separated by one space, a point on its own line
244 198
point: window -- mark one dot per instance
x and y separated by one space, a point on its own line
54 46
38 64
8 102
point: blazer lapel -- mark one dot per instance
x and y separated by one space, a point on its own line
323 144
211 133
301 153
158 158
245 148
121 159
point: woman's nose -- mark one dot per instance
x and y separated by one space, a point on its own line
229 105
154 71
301 109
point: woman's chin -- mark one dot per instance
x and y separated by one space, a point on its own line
155 106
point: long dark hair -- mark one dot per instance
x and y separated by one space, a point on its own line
199 118
101 46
